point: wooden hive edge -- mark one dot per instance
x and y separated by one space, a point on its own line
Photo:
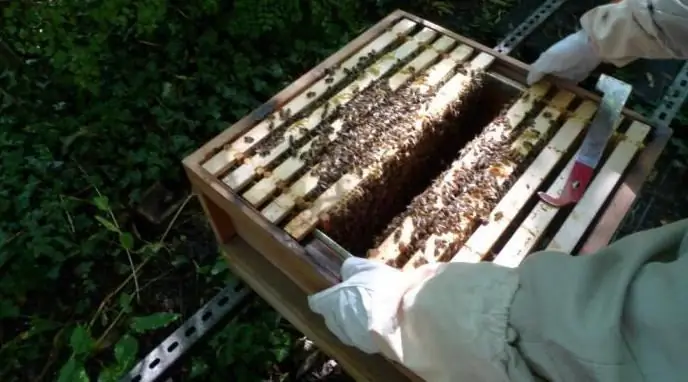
618 205
246 222
291 302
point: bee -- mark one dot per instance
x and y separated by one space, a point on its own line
281 185
240 157
302 204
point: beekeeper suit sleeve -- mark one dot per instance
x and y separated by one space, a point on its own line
630 29
617 33
618 315
445 322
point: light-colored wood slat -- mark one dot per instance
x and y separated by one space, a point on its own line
282 205
264 189
481 61
261 191
527 235
401 237
524 145
482 241
600 189
447 94
229 156
245 173
529 232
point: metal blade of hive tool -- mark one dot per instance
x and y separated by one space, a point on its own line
336 248
616 94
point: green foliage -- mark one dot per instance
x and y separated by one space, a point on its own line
233 352
111 96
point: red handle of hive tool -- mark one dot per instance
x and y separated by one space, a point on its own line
575 186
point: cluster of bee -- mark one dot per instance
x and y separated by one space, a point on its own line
371 128
442 135
461 199
283 119
385 194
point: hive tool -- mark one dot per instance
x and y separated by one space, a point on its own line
587 158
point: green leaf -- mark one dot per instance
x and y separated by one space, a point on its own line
199 368
126 240
8 309
102 203
126 351
153 321
81 341
125 302
73 371
40 325
219 267
107 224
281 353
150 248
109 375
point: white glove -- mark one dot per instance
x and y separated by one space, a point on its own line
348 307
572 58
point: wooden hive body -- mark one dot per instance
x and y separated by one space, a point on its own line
339 150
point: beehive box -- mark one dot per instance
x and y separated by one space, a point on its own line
410 145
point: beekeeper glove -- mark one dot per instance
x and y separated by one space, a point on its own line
572 58
368 288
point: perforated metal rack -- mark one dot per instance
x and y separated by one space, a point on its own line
181 341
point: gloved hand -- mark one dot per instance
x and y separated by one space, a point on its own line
572 58
348 307
443 321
